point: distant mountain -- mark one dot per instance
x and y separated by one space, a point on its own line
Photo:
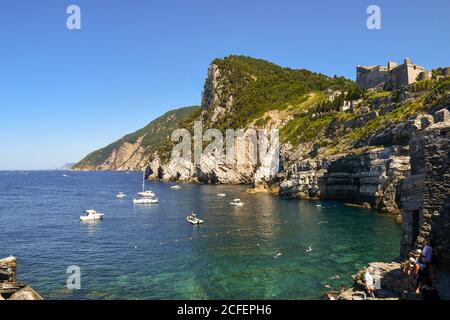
132 152
67 166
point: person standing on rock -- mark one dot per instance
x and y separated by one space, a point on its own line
434 258
369 283
419 273
427 252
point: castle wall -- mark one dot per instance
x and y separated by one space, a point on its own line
446 72
370 78
394 76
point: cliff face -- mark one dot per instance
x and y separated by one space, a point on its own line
372 178
245 93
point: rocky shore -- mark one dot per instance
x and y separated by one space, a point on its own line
10 288
393 284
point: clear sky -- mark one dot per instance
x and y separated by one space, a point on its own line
65 93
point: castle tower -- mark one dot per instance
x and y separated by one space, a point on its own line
391 65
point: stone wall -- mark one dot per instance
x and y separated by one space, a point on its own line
371 77
426 193
391 77
403 75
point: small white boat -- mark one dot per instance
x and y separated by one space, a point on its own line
146 201
221 195
120 195
237 203
91 215
145 197
175 187
192 219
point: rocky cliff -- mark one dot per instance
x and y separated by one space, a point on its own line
359 154
134 151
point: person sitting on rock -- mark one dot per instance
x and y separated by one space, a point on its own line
419 274
369 282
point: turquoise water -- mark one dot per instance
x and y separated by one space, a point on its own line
151 252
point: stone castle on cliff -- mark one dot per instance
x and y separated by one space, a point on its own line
393 76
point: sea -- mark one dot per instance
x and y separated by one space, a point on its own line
271 248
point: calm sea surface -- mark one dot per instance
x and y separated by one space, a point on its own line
151 252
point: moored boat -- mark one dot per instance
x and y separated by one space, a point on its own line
145 196
90 215
192 219
237 203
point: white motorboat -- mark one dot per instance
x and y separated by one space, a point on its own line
143 200
221 195
145 197
120 195
192 219
237 203
91 215
175 187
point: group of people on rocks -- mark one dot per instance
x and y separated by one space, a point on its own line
422 271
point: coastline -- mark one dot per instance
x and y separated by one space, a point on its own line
10 288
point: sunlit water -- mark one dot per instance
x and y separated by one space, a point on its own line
151 252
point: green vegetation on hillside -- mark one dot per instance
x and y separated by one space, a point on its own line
326 125
259 86
155 134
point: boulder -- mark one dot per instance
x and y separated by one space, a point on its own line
26 293
442 115
389 279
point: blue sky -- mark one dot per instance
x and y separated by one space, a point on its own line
65 93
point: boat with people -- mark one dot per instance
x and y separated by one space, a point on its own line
237 203
192 219
90 215
120 195
145 196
